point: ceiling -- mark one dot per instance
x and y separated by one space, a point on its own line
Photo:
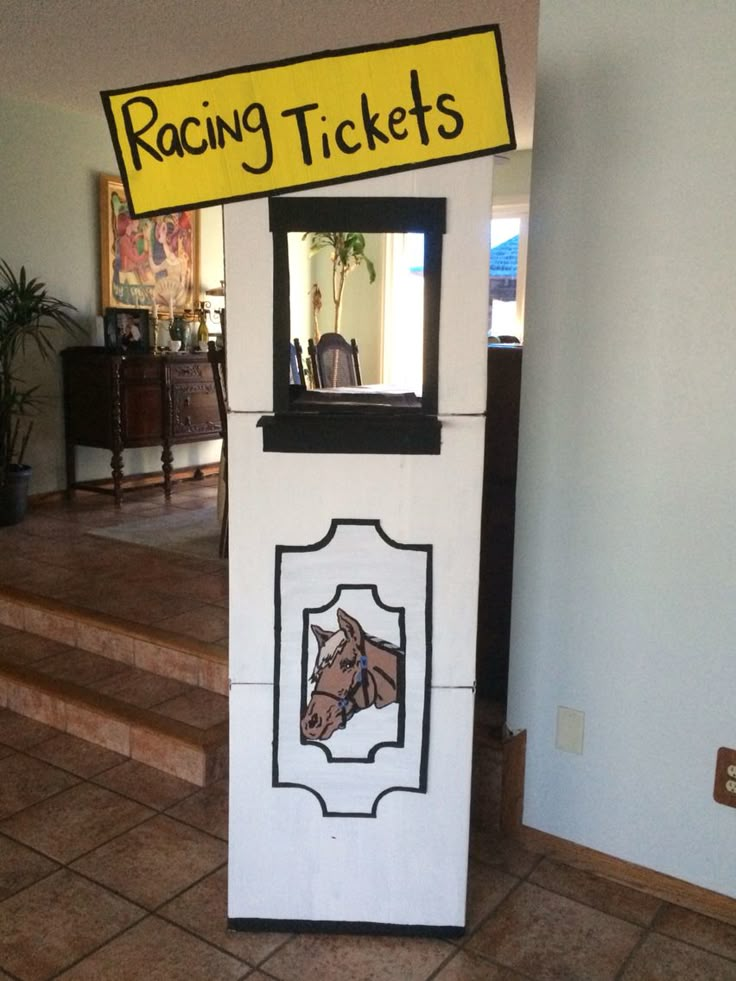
64 52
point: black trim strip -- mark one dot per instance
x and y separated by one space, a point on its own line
257 923
323 432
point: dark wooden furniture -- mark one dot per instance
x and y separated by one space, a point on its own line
216 358
120 401
497 523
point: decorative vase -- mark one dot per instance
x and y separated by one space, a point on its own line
14 494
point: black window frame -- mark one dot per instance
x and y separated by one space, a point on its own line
300 426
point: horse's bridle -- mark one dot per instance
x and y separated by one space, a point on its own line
361 681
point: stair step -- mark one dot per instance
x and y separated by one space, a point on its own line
150 648
156 697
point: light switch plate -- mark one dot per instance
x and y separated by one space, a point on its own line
570 730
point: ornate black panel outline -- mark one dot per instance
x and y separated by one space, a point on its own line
281 550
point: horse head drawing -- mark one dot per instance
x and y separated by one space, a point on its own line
352 671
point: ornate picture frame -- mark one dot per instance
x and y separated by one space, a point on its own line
146 262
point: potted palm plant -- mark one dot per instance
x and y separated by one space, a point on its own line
347 252
29 318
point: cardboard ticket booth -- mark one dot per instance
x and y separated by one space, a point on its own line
355 511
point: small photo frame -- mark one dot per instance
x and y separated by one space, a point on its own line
126 329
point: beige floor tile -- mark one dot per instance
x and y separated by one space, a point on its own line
552 938
109 643
80 667
15 568
332 957
208 623
663 959
207 809
74 821
700 931
177 664
505 853
155 604
154 861
56 921
183 760
12 614
465 966
97 726
25 781
52 625
203 910
20 733
212 589
141 688
76 755
155 950
148 786
628 904
20 867
199 708
29 701
22 648
487 886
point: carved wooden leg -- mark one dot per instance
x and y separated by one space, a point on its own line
167 459
117 475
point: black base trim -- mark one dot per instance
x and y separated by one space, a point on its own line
320 432
254 924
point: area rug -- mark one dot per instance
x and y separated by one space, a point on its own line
194 533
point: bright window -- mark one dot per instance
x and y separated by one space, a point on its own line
507 272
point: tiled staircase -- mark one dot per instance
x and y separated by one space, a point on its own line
148 694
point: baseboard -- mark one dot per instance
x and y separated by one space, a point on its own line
665 887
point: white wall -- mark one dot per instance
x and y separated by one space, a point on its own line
512 177
625 571
49 164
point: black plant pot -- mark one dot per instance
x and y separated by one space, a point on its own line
14 494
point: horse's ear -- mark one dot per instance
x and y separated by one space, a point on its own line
321 635
352 628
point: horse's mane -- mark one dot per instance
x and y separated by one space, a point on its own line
383 645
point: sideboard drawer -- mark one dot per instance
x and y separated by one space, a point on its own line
194 410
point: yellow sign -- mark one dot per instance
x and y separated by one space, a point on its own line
323 119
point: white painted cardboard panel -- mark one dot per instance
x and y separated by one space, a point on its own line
465 271
291 499
408 865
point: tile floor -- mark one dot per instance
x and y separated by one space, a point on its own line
112 870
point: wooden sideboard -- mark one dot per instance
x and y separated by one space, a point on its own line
120 401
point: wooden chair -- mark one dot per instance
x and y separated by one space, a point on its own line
296 365
335 361
216 359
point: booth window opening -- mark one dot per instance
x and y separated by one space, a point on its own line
356 318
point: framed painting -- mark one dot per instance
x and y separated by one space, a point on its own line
126 330
146 262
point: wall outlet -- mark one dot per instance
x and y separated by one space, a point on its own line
724 791
570 730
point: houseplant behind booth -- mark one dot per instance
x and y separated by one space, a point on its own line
29 319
